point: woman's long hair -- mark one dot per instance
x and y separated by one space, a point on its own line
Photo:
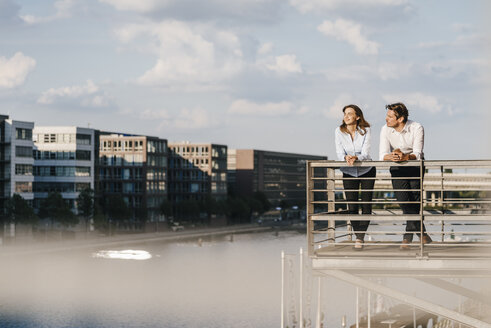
361 124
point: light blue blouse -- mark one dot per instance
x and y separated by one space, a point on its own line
360 147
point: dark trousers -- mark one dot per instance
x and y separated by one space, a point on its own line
412 193
353 196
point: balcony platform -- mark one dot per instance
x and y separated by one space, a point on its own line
382 259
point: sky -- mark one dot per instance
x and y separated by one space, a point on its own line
262 74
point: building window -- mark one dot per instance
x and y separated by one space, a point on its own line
23 187
23 169
83 139
83 155
23 134
21 151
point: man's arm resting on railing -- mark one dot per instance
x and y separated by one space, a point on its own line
398 156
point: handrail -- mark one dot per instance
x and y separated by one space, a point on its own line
455 205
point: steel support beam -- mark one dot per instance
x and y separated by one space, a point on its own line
454 288
407 299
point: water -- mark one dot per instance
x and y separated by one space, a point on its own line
221 282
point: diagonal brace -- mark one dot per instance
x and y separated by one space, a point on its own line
447 285
407 299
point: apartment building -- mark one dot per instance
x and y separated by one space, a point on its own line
136 168
197 170
16 162
63 161
280 176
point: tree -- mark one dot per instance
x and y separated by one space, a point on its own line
85 205
209 206
166 208
263 199
55 208
117 209
238 210
18 211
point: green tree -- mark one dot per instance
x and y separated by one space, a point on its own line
117 209
263 199
209 206
18 211
166 208
238 210
85 205
55 208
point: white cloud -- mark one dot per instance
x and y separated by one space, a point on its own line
64 9
89 95
13 71
245 107
185 118
237 11
462 41
152 114
265 48
419 101
141 6
195 118
350 32
186 53
285 64
305 6
393 71
383 71
335 111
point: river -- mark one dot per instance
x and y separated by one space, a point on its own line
228 281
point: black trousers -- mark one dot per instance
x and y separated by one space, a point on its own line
412 193
353 196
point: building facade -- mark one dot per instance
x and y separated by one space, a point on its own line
197 170
134 167
16 162
280 176
64 158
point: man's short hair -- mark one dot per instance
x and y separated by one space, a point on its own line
399 110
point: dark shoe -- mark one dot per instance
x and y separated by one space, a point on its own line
405 245
358 245
426 240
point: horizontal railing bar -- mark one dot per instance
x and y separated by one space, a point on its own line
362 202
427 164
415 244
388 232
361 178
407 217
395 201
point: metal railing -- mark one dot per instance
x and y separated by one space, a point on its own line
455 206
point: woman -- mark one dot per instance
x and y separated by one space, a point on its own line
352 139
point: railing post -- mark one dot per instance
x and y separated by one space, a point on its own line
421 206
282 321
442 203
331 186
310 208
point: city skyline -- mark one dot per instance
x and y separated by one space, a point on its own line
267 74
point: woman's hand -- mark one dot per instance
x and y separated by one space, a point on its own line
350 159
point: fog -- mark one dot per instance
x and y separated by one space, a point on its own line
213 282
218 282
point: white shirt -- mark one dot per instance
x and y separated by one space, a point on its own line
359 146
410 140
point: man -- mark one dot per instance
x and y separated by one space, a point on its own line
402 140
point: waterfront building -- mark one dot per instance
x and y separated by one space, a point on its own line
197 170
16 162
135 167
64 159
280 176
